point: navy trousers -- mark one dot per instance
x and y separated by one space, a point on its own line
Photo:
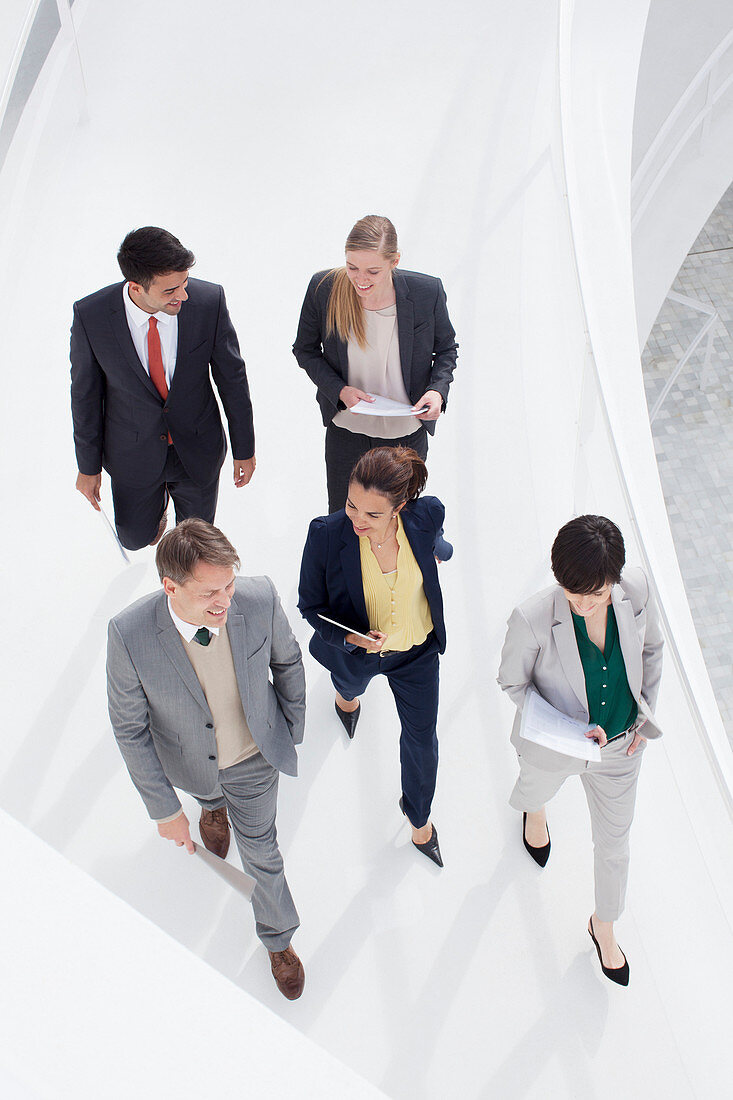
138 512
413 680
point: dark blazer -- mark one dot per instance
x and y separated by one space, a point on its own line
120 420
331 582
428 348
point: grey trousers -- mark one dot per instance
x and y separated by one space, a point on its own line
249 792
610 789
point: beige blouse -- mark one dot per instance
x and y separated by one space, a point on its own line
376 369
396 602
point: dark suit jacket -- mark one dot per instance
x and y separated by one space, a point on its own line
120 420
428 348
331 582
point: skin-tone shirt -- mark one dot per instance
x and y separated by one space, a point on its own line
377 369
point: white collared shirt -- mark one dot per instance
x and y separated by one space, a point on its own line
137 322
188 630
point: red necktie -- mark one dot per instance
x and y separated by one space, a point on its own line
155 362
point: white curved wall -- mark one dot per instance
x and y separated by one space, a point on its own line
259 137
678 40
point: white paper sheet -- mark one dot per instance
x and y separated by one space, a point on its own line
113 532
242 883
382 406
545 725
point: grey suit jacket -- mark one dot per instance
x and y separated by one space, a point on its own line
160 717
540 650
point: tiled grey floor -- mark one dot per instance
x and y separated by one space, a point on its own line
693 439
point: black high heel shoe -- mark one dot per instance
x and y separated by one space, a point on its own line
430 848
618 974
349 718
539 855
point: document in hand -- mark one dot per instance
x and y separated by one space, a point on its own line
382 406
545 725
242 883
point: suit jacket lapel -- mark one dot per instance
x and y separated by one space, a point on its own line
351 565
421 547
405 326
118 322
236 628
563 634
628 638
185 332
172 644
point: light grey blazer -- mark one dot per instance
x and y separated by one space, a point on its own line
541 649
158 709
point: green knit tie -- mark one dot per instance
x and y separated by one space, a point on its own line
202 636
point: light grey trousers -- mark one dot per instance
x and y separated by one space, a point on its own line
610 789
249 791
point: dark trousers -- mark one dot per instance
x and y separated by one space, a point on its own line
344 449
413 679
139 511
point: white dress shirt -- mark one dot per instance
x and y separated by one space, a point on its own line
137 322
188 630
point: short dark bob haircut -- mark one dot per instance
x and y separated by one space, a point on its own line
587 554
151 251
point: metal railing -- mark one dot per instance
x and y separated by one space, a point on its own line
707 330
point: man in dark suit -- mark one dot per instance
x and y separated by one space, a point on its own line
141 396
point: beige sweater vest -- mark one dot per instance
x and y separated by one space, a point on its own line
214 668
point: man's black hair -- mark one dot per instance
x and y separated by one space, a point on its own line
151 251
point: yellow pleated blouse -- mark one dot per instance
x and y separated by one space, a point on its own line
396 602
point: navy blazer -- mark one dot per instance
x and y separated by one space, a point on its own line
427 339
120 419
331 581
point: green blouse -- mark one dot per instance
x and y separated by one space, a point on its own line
610 702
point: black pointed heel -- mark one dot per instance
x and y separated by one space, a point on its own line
349 718
539 855
618 974
430 848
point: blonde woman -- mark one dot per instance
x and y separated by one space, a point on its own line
368 328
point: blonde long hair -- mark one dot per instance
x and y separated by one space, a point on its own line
345 315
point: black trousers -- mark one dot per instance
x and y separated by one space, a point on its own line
413 678
139 511
344 449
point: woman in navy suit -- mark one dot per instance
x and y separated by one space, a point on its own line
372 567
367 328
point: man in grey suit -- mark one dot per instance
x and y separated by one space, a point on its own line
192 706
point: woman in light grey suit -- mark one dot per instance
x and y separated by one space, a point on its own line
592 647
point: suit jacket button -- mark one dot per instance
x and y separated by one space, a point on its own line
212 758
164 437
209 726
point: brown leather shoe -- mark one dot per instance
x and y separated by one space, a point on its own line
160 532
214 829
288 972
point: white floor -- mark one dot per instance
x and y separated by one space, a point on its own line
259 137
